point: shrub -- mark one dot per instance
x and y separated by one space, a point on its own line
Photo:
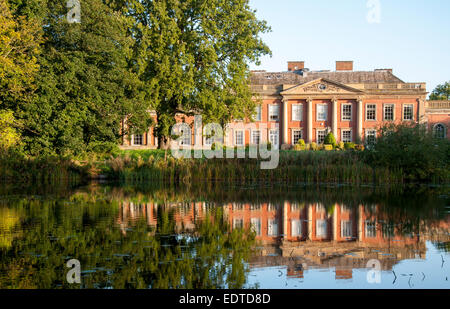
301 142
314 146
9 137
413 150
216 145
341 146
298 147
349 146
359 147
330 140
328 147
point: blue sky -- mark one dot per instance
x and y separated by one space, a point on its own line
412 36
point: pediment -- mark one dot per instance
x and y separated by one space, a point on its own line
321 86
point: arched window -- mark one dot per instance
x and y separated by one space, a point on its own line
440 131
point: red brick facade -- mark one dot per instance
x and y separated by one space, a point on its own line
353 105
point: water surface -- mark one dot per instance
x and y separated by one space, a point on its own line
224 236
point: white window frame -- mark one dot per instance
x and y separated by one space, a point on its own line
238 223
370 229
133 140
342 111
393 111
293 135
235 137
445 130
367 109
412 111
317 135
296 228
351 135
318 106
321 228
366 134
252 137
346 228
256 225
277 135
300 111
258 113
270 112
272 227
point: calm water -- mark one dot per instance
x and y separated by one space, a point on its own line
225 237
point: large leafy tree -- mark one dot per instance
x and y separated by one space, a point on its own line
194 54
86 84
19 48
441 92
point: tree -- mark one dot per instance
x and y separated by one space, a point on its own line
441 92
194 56
19 47
330 140
86 84
410 148
9 137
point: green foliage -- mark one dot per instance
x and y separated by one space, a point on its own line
299 147
294 167
328 147
349 146
9 137
84 225
86 84
441 92
198 58
412 149
330 140
19 47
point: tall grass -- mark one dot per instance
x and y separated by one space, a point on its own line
48 170
294 167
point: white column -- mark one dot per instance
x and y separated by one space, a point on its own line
421 111
310 121
335 222
360 119
285 121
285 220
334 123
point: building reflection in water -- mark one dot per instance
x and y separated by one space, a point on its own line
305 236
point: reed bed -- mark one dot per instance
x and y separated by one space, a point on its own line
41 170
294 167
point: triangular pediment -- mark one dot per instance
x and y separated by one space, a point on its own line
321 86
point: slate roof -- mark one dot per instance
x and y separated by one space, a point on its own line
344 77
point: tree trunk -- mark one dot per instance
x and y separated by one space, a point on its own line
163 143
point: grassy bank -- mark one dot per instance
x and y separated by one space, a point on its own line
133 167
44 170
294 167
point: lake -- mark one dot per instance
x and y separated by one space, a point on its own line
224 236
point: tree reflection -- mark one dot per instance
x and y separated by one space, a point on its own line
55 231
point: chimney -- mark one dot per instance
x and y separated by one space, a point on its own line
384 70
344 65
296 65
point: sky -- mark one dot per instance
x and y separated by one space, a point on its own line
412 37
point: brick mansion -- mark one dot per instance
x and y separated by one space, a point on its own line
305 104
